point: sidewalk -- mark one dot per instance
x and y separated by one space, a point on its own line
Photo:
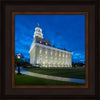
52 77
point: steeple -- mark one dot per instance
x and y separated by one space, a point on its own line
38 32
38 24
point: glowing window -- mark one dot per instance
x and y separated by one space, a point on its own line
40 42
51 62
46 57
46 52
66 56
55 54
40 51
46 61
63 55
59 55
59 64
51 53
51 57
46 43
40 61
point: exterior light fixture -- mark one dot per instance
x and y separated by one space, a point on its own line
19 58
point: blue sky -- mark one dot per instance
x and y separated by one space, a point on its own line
64 31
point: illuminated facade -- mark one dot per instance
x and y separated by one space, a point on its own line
42 53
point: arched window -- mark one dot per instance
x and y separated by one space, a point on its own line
63 64
59 64
55 54
59 55
46 57
46 52
46 43
46 62
51 62
51 53
40 61
40 51
51 57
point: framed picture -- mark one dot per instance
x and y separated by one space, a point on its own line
50 66
51 49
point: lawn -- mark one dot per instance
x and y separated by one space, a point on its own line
62 72
30 80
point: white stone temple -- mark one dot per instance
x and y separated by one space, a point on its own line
45 55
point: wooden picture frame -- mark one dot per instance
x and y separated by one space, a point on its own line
90 91
49 13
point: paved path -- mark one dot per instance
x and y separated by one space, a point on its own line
51 77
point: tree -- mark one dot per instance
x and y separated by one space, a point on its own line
53 45
64 48
79 64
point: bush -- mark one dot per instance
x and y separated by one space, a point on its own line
77 64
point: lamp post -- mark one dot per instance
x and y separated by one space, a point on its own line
19 58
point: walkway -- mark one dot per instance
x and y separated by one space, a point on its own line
51 77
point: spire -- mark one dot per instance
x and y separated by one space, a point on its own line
38 32
38 24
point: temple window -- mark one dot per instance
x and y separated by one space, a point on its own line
51 53
40 61
55 62
46 57
46 43
55 54
51 62
59 55
40 51
46 62
59 64
46 52
40 42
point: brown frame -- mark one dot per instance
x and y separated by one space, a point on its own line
93 90
51 13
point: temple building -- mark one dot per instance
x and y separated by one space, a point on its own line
45 55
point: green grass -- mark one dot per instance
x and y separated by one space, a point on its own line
30 80
62 72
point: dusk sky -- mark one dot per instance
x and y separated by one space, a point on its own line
64 31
